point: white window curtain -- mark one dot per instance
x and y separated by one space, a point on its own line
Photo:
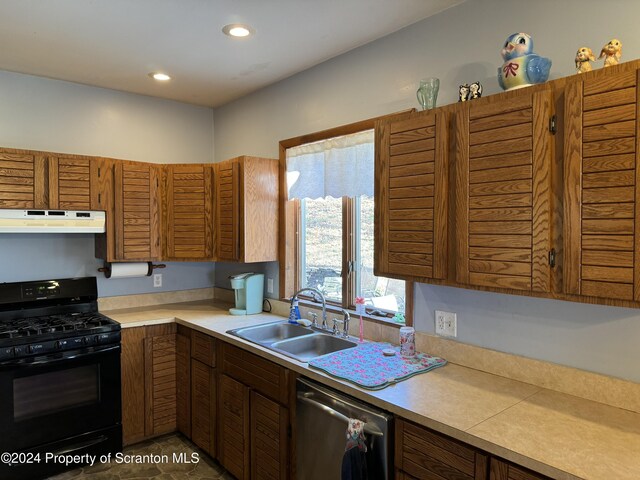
337 167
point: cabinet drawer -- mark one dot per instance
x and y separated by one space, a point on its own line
422 453
203 348
262 375
501 470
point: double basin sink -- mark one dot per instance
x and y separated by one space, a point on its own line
295 341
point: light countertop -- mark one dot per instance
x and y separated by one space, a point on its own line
558 435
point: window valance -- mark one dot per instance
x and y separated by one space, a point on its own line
336 167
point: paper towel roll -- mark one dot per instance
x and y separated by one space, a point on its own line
127 270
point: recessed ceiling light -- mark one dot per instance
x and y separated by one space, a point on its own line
237 30
162 77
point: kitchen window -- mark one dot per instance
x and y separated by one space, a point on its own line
331 208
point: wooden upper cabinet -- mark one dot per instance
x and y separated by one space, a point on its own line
23 182
504 150
246 211
601 187
189 212
411 195
70 182
136 213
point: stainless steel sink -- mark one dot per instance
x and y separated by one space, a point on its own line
295 341
311 346
271 332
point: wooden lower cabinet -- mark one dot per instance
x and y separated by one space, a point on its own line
422 453
148 381
254 418
132 369
501 470
234 414
269 438
183 386
203 406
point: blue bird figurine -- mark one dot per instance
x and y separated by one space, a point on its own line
521 66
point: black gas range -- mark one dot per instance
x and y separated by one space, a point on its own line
59 377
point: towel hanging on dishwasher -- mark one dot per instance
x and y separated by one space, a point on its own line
354 462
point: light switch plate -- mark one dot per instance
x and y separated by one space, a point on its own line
269 285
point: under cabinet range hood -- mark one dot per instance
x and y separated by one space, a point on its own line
51 221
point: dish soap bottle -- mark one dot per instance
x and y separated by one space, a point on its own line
294 312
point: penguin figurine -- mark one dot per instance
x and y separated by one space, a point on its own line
521 66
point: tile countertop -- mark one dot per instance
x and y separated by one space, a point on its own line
558 435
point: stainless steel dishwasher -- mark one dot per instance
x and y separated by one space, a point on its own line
322 416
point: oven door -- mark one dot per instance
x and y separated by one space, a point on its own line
52 397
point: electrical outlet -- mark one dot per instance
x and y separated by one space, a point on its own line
269 285
446 324
157 280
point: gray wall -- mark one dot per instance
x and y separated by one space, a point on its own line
43 114
459 45
25 257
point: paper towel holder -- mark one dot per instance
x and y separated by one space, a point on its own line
107 268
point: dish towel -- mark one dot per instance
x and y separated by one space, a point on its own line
354 462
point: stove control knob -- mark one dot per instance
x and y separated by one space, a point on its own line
61 344
18 351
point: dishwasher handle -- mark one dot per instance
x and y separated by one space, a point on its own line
368 428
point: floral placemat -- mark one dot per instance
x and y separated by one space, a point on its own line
367 367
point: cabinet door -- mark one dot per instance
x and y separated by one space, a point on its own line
228 198
269 439
411 196
503 192
183 386
189 212
22 180
133 385
601 188
160 383
422 453
505 471
259 228
136 211
203 406
70 183
234 433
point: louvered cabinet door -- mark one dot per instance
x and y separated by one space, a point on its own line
503 192
601 188
136 211
234 427
269 439
228 195
189 212
411 196
70 183
22 180
203 406
160 384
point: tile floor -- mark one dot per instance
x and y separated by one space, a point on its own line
205 469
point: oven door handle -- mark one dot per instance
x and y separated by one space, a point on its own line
50 360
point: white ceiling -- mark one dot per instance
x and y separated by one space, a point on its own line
116 43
